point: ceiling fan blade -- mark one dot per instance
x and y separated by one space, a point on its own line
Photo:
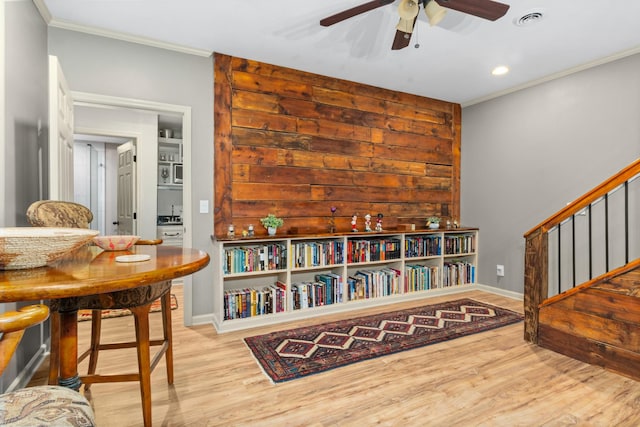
350 13
487 9
402 39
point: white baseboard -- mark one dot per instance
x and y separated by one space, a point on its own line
500 291
24 376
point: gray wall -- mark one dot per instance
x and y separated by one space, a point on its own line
25 91
527 154
116 68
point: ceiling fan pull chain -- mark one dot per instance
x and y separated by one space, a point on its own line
415 30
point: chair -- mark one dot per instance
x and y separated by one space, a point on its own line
50 213
42 405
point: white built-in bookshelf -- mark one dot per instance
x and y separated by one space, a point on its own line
260 281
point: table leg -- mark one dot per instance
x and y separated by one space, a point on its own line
69 350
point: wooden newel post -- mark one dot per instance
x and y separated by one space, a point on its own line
536 281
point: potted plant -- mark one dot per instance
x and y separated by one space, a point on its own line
271 222
433 222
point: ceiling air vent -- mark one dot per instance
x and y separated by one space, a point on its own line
529 18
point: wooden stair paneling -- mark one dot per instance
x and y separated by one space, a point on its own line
609 357
599 324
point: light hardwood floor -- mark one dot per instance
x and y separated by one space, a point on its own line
492 378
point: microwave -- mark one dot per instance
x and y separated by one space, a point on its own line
177 173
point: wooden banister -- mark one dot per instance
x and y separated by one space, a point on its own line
536 275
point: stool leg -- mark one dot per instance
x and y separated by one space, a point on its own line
96 328
168 336
141 316
54 354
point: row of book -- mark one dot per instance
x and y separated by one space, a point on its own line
366 284
245 259
331 289
373 250
315 254
458 273
460 244
326 289
421 278
241 303
421 246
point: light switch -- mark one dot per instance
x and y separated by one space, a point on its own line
204 206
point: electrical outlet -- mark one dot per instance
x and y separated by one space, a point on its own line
500 270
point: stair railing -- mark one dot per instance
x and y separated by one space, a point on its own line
551 265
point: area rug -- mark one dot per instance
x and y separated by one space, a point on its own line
106 314
295 353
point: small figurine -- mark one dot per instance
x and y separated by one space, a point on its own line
367 222
232 231
354 221
379 222
332 220
251 231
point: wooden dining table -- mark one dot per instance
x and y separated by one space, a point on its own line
91 274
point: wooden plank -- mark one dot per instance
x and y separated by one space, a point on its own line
222 203
270 139
535 282
331 129
262 120
270 85
561 316
596 353
607 305
256 101
345 86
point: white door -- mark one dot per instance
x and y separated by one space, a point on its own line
126 191
60 134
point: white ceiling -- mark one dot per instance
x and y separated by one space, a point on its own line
453 62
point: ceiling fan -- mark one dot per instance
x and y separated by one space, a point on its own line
434 9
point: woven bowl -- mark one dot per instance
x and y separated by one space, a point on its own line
29 247
116 242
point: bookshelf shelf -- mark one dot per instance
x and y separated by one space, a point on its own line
265 280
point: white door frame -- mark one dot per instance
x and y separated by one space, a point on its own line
86 99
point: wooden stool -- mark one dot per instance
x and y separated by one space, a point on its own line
138 301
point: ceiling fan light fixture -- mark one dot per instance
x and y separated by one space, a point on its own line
434 12
408 10
405 25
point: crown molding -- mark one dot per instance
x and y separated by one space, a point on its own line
564 73
71 26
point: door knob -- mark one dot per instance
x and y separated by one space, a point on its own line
116 222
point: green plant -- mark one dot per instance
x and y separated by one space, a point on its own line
433 220
271 221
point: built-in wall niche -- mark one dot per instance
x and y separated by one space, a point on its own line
296 144
171 123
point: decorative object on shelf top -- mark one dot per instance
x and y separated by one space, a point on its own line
30 247
115 242
433 222
271 223
354 222
332 220
367 222
379 222
165 133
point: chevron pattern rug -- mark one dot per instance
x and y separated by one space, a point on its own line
295 353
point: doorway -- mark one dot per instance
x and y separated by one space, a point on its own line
95 178
149 115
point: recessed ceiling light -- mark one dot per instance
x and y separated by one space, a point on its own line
500 70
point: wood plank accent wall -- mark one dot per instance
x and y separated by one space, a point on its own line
294 144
